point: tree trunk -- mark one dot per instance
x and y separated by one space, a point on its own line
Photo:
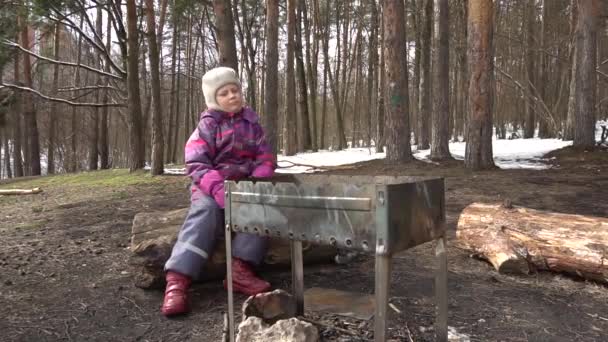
136 148
464 75
94 126
522 240
7 153
225 33
380 124
424 113
335 84
478 154
157 164
177 104
53 111
16 126
372 66
440 149
398 135
568 133
29 111
154 234
172 131
543 127
416 23
289 124
303 122
312 59
586 81
73 122
104 148
326 34
271 91
358 85
529 15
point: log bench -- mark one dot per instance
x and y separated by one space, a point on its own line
153 235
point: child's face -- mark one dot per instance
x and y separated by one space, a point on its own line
229 98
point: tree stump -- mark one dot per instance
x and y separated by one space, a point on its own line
154 234
522 240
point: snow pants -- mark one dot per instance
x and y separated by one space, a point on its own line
197 238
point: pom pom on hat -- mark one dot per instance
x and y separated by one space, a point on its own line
213 80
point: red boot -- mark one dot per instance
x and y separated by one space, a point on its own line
244 279
176 294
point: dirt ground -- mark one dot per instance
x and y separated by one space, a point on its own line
65 274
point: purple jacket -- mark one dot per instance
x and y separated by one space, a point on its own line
226 146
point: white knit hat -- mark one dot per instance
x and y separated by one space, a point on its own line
213 80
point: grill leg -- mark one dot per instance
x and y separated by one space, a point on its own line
383 285
229 282
441 290
297 275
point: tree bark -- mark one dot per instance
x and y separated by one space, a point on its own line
225 33
529 15
586 81
416 24
29 110
569 127
522 240
104 148
398 135
372 66
16 126
94 125
136 148
461 129
53 111
543 127
303 122
289 124
380 123
478 154
172 131
424 113
358 85
7 154
157 165
312 59
440 149
271 91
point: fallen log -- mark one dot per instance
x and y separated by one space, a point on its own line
154 234
20 191
521 240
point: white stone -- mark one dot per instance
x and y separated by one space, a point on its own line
253 329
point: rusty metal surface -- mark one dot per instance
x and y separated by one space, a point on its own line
342 211
343 303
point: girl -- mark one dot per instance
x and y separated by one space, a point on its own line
228 143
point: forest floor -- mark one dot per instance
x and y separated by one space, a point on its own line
65 274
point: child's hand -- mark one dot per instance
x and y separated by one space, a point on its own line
219 195
262 171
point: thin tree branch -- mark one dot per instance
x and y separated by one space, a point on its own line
92 42
54 99
15 45
98 87
91 27
548 115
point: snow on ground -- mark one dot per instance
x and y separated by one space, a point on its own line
508 154
511 154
